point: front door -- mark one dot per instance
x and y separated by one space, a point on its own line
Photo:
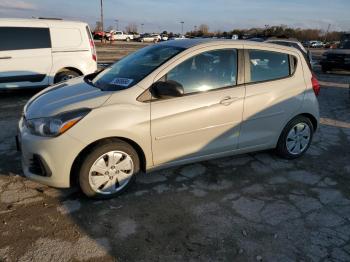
206 119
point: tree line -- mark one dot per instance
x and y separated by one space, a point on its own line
270 31
282 31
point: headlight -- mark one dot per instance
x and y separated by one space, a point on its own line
56 125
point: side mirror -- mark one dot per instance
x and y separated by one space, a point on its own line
166 89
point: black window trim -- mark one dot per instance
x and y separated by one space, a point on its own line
242 54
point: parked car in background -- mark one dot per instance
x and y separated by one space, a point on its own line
178 37
162 96
256 39
164 37
234 37
293 43
98 35
120 36
316 44
332 44
305 43
41 52
149 38
338 58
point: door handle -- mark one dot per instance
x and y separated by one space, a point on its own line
5 57
228 100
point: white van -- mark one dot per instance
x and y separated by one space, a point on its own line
41 52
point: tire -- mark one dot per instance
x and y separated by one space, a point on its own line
296 124
65 75
114 184
127 39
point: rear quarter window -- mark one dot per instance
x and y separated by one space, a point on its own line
22 38
268 66
66 37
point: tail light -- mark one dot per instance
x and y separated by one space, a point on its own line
93 50
315 85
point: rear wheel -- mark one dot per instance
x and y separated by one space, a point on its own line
296 138
108 169
65 75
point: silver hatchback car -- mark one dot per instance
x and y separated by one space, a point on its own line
169 104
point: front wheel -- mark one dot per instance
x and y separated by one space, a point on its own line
296 138
108 169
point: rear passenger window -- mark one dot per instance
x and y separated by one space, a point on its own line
266 65
20 38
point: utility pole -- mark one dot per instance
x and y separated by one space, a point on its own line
101 3
142 28
117 24
326 35
182 27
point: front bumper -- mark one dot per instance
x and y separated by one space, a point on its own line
55 157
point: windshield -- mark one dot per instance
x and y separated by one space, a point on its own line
133 68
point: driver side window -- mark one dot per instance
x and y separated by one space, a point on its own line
206 71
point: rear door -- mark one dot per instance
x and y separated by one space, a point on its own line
25 55
274 91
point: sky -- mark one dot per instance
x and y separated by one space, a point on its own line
159 15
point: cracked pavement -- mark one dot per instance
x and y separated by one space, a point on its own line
252 207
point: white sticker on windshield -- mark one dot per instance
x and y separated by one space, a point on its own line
122 81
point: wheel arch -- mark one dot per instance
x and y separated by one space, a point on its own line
69 68
312 119
79 157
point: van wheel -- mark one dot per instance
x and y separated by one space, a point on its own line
108 169
65 75
127 39
296 138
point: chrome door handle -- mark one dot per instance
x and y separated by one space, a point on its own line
228 100
5 57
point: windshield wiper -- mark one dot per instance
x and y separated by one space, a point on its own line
88 79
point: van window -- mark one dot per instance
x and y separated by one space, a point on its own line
21 38
206 71
266 65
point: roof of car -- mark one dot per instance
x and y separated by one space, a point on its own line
48 21
289 40
188 43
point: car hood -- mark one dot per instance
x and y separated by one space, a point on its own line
66 96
